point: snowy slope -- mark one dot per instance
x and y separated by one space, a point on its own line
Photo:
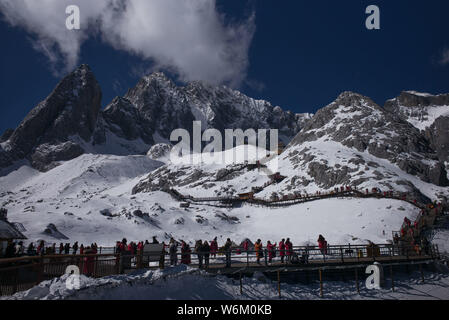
72 195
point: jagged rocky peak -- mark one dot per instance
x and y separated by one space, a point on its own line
428 113
152 90
419 109
160 106
6 135
358 123
417 99
71 110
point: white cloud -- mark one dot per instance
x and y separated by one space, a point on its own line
187 37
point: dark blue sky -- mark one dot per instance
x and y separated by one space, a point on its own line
304 53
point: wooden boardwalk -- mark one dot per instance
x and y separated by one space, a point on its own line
314 264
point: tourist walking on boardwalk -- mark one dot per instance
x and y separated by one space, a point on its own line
271 248
258 248
206 252
20 249
30 249
67 248
214 247
199 253
75 247
185 253
173 249
245 245
322 244
41 248
289 249
155 240
228 251
282 250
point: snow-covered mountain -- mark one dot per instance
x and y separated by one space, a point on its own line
352 141
100 175
90 199
69 121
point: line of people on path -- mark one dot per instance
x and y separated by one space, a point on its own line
205 250
17 249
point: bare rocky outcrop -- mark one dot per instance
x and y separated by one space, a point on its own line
68 113
357 122
429 113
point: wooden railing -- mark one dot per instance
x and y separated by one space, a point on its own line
296 199
19 274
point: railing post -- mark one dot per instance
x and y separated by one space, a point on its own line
247 258
241 284
321 282
266 256
95 267
341 254
392 279
279 283
16 280
40 276
422 272
162 260
118 260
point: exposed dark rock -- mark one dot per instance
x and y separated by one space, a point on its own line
160 150
357 122
70 110
438 135
412 99
6 135
106 213
46 156
52 231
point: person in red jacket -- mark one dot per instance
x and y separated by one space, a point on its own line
245 245
322 244
271 248
213 247
185 253
131 248
282 250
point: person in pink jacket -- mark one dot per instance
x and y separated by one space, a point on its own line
271 248
282 250
214 247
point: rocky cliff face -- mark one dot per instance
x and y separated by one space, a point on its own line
428 113
351 142
438 135
69 121
71 110
156 106
357 122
